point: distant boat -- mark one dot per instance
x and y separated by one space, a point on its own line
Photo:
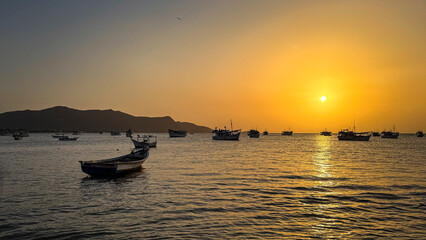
287 133
419 134
76 132
17 136
58 135
177 133
265 133
129 133
376 134
253 133
390 133
226 134
145 140
346 135
116 166
115 134
66 138
325 133
100 132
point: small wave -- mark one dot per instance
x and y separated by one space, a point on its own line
312 178
387 196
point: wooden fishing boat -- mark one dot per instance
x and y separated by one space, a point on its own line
116 166
346 135
419 134
177 133
253 133
149 140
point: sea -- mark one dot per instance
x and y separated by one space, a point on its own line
303 186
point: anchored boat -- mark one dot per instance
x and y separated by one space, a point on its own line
146 140
253 133
419 134
390 133
177 133
265 133
116 166
325 133
346 135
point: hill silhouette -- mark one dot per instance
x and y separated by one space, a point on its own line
66 119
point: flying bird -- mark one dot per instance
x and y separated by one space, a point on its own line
179 18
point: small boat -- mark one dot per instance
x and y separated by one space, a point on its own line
177 133
346 135
116 166
17 136
129 133
265 133
287 133
115 134
419 134
253 133
390 133
146 140
66 138
325 133
76 133
376 134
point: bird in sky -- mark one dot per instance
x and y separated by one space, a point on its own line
179 18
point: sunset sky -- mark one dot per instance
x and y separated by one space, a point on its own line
263 64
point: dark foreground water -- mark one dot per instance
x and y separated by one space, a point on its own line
302 186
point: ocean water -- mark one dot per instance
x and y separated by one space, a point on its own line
302 186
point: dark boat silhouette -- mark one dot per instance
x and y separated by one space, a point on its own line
226 134
419 134
390 133
177 133
253 133
287 133
265 133
347 135
325 133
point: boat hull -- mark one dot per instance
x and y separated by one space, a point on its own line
234 137
254 135
356 138
113 167
138 144
177 134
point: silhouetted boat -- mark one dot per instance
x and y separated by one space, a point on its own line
66 138
346 135
226 134
115 134
17 136
325 133
419 134
376 134
390 133
287 133
116 166
177 133
58 135
76 132
129 133
145 140
253 133
265 133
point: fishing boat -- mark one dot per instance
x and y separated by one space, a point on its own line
177 133
265 133
116 166
66 138
129 133
347 135
376 134
115 134
76 132
325 133
419 134
17 136
58 135
226 134
390 133
144 140
253 133
287 133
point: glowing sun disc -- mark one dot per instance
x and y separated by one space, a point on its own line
323 98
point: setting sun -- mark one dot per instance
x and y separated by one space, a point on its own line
323 98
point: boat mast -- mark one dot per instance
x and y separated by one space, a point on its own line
232 129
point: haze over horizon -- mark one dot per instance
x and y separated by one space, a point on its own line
263 64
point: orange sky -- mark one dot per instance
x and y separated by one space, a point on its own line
263 64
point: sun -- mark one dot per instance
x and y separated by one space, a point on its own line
323 98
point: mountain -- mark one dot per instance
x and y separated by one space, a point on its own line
68 119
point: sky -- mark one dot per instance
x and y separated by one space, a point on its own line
263 64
